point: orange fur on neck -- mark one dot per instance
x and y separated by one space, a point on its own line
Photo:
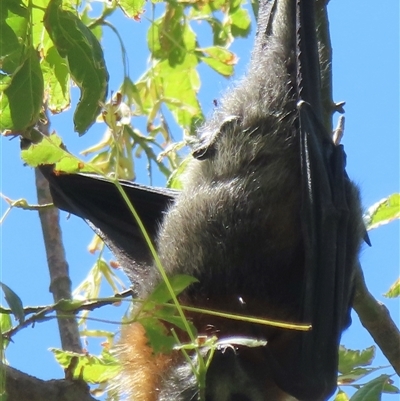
142 369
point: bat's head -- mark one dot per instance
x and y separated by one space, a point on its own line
236 372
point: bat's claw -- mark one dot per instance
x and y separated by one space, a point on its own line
367 239
338 132
338 107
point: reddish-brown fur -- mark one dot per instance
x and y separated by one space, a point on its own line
138 359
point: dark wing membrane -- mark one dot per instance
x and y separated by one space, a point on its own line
307 367
326 296
98 201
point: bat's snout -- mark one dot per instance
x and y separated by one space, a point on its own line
241 374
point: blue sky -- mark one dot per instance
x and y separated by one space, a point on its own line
365 38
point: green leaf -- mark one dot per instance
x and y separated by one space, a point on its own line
221 54
349 359
394 290
355 374
178 283
133 94
108 274
132 8
373 390
96 28
218 66
47 151
50 151
383 212
68 305
5 81
21 101
174 181
90 368
165 314
170 37
241 23
109 335
159 339
218 5
389 388
76 43
5 325
56 77
176 86
40 38
221 32
220 59
144 143
234 4
14 18
14 302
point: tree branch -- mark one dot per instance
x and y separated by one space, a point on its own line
62 308
375 317
60 283
22 387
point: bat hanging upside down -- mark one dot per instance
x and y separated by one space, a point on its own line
268 222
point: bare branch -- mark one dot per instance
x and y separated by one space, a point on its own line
60 283
63 309
22 387
375 317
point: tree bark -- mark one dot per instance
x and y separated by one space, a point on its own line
60 282
22 387
375 317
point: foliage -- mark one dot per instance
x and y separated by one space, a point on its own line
47 47
353 367
383 212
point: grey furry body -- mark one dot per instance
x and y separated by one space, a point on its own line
238 206
237 223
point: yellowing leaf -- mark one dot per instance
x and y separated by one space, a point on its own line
341 396
132 8
220 59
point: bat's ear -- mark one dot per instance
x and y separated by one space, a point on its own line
99 202
207 147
